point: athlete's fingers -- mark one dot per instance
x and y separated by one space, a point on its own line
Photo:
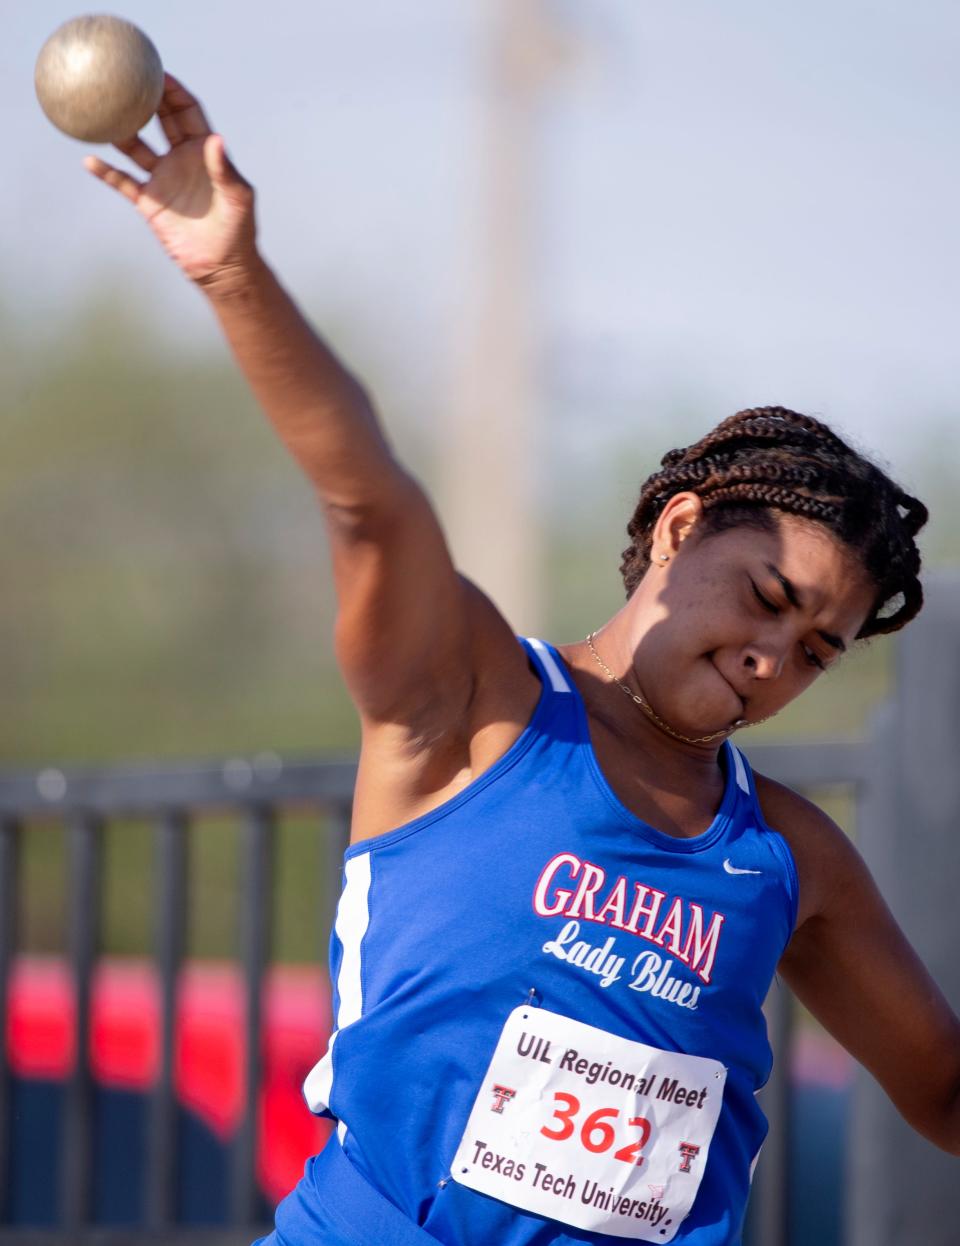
127 186
140 152
181 114
222 171
170 124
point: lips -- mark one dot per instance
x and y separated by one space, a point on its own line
740 698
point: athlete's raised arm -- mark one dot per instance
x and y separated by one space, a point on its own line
403 635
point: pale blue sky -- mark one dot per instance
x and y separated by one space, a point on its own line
741 201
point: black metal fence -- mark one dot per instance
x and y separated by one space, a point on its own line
83 802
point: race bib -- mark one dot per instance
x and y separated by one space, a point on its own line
590 1129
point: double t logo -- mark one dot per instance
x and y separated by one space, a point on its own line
502 1095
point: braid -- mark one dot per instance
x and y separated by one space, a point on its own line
779 499
771 458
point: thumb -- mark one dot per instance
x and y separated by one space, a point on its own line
220 168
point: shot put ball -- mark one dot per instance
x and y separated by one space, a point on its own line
99 79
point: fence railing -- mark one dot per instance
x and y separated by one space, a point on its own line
257 792
83 802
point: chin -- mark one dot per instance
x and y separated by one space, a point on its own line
700 720
703 703
709 727
739 706
704 713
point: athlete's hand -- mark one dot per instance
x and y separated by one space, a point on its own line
193 199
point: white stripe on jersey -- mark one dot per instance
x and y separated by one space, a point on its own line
558 680
743 783
353 917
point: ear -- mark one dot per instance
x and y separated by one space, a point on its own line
677 521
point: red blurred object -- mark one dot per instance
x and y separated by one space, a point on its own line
209 1054
125 1025
41 1019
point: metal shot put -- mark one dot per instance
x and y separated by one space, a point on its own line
99 79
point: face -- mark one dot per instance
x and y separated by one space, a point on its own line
735 624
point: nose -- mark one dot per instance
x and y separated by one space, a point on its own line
761 662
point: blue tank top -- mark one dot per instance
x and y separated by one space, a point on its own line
536 886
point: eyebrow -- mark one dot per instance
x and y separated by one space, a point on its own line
789 588
791 594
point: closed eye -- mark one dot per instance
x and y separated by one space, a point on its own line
768 605
813 658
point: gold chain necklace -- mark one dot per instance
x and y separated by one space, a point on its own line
651 712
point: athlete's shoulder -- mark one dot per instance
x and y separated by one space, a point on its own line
786 811
824 854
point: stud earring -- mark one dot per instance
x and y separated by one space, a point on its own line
663 557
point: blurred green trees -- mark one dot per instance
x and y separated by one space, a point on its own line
163 565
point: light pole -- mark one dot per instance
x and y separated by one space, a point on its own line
491 437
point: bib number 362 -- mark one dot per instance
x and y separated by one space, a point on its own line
597 1133
590 1129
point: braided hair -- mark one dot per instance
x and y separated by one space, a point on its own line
770 458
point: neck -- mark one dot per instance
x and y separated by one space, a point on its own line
632 723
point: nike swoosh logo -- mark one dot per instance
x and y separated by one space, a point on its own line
732 869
